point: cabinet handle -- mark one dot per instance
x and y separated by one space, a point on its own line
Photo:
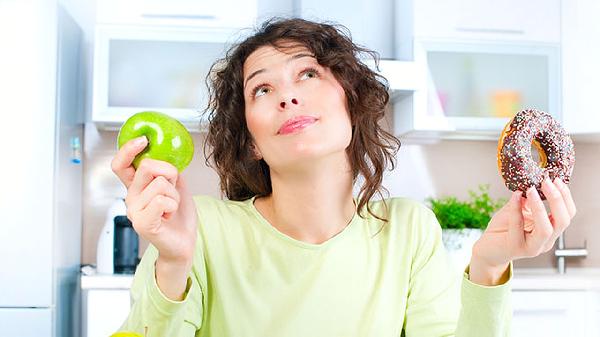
490 30
179 16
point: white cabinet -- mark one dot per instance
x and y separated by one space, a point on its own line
548 304
105 303
105 311
593 314
549 314
472 89
26 322
508 20
138 68
223 13
580 66
481 60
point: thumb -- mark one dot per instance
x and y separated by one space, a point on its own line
184 193
516 234
186 203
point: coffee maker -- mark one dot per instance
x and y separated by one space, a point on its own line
118 245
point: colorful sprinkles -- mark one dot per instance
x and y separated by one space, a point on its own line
515 162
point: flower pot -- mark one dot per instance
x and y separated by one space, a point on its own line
459 243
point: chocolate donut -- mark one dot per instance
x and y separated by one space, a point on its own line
515 162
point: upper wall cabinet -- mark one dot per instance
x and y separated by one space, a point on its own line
481 61
156 54
371 23
471 90
138 68
471 20
581 67
185 13
515 20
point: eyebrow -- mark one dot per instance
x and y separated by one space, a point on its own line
293 57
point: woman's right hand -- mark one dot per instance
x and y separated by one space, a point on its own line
159 204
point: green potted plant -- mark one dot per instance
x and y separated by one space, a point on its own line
463 221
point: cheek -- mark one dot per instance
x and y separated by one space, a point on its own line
338 99
257 122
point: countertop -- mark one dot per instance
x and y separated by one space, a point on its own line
106 281
524 279
550 279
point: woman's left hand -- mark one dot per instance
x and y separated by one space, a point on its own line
522 228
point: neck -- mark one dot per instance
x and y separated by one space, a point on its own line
310 204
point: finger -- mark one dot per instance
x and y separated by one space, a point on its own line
186 203
150 169
121 163
159 186
516 235
558 208
567 197
153 213
552 241
542 230
527 215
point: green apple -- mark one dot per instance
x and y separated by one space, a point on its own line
168 139
126 334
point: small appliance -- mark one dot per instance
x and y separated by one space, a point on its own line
118 245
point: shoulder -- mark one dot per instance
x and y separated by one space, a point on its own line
214 213
408 218
402 209
206 204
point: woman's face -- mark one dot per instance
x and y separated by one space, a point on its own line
295 108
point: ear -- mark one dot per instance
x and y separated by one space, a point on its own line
256 151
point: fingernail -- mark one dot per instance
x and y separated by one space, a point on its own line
516 195
547 181
141 141
531 191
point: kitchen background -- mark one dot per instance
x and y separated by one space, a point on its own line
442 59
430 167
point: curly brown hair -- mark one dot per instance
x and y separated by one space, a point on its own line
242 176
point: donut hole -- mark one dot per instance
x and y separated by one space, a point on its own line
538 154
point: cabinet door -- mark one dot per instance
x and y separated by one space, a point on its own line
514 20
593 313
29 73
475 88
549 313
371 23
580 66
148 68
26 322
104 311
223 13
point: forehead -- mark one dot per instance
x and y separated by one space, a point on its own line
265 55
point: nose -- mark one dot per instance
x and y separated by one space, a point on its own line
283 103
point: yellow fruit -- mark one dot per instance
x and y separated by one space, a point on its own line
126 334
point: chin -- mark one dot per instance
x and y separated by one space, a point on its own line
303 154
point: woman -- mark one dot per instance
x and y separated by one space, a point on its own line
294 121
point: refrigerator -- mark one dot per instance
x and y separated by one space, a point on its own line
41 128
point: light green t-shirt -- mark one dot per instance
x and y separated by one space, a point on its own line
249 279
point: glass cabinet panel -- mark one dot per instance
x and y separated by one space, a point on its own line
166 74
492 81
488 85
138 68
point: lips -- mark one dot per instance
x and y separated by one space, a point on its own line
296 123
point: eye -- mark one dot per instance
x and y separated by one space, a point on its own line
260 90
309 73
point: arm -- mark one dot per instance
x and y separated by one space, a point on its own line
437 292
153 313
